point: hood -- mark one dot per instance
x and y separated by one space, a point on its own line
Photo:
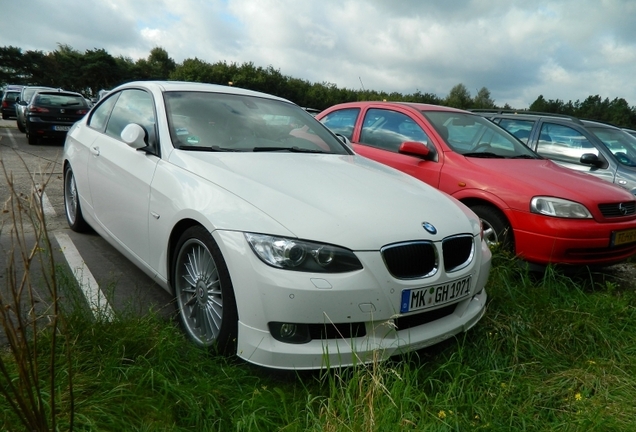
522 179
345 200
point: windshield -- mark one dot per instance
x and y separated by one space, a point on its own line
206 121
58 100
619 142
474 136
10 96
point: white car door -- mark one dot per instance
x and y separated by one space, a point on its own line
120 176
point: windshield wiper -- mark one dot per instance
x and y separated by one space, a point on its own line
208 149
71 103
524 157
293 149
487 155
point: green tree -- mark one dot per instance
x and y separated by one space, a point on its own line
459 97
193 70
550 106
594 107
11 66
158 66
483 100
99 70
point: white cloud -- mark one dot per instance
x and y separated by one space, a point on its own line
519 50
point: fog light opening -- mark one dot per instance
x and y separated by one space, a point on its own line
287 331
290 332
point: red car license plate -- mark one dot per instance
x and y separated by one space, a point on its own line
623 237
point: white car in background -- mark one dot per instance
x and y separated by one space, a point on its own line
279 243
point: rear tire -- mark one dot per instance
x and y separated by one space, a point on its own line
4 116
71 203
20 127
497 229
204 292
32 139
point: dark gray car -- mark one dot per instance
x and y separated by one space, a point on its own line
600 149
21 104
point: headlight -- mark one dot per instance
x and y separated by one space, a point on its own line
299 255
558 207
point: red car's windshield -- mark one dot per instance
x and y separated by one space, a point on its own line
474 136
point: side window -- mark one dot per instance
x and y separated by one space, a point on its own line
519 128
563 143
388 129
342 121
133 106
99 116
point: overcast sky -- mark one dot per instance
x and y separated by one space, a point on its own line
518 49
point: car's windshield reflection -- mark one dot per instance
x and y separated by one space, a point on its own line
474 136
222 122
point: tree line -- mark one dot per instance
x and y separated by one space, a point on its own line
96 69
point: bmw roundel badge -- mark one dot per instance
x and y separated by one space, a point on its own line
429 227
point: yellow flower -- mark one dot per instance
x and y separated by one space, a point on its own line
441 414
578 396
592 362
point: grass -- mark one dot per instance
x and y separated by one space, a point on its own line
551 353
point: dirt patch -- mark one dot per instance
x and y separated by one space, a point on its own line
623 274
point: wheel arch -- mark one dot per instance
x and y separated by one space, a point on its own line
178 229
473 201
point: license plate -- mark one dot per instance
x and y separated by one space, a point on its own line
623 237
61 128
422 298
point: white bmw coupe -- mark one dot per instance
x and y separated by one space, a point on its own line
279 243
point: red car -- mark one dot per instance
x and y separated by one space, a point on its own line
545 213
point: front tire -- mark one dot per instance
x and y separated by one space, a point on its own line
20 126
71 203
497 229
204 292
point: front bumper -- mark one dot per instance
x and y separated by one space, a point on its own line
369 298
546 240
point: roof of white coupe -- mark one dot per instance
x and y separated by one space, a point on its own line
166 86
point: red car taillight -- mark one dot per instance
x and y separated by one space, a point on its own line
5 104
37 109
82 112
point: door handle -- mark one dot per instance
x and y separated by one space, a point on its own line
95 150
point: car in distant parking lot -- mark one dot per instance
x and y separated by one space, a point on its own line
600 149
543 212
279 244
22 101
51 113
8 101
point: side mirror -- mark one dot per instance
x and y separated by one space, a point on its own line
345 140
414 148
592 159
134 135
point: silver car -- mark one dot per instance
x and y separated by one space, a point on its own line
600 149
23 101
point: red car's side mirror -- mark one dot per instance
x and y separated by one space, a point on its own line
415 148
